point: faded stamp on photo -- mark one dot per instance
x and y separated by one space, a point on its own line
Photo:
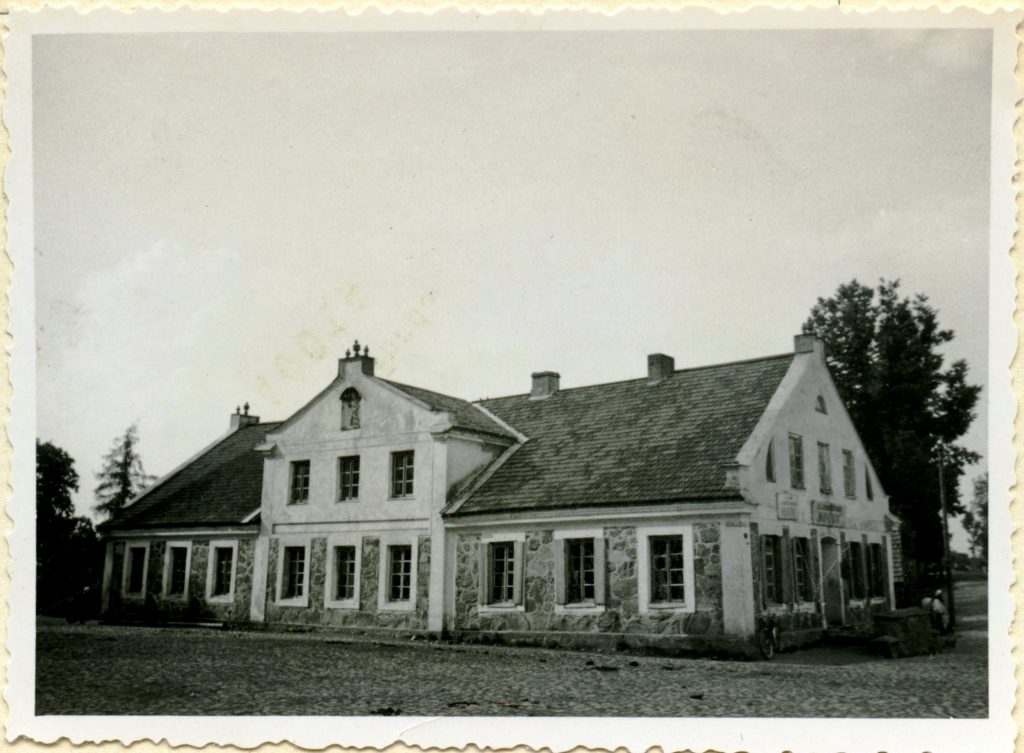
564 379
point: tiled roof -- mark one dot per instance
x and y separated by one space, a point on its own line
222 486
629 442
466 415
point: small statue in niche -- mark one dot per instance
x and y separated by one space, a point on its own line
350 400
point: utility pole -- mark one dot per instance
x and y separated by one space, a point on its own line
947 565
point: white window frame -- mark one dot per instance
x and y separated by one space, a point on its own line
187 546
586 607
299 601
125 567
498 537
343 539
643 550
384 604
211 563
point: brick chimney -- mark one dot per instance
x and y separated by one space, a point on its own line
809 344
354 361
659 366
240 418
545 384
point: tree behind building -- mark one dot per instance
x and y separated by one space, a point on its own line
976 519
122 477
883 352
68 553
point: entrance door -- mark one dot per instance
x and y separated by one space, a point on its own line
832 582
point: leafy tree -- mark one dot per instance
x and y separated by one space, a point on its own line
122 477
67 549
883 350
976 519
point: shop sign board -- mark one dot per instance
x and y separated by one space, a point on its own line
787 505
826 513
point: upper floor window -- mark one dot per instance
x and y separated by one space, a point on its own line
769 462
824 468
350 400
849 475
402 467
868 489
299 492
348 478
796 461
819 405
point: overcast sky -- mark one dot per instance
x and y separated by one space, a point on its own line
218 216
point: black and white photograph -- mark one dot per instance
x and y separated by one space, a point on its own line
635 379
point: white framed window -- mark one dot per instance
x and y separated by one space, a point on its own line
293 565
344 565
579 571
298 482
403 465
397 572
136 569
221 568
177 566
500 572
665 568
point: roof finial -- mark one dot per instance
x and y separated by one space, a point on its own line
348 352
355 347
238 409
246 406
366 350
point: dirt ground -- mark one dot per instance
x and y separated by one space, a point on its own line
96 669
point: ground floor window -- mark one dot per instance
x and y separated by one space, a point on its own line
802 579
293 574
502 565
771 568
344 573
399 572
580 571
135 582
667 569
876 564
853 566
177 570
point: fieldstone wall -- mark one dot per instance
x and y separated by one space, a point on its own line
153 605
621 613
367 616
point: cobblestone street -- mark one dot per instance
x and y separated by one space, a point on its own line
97 669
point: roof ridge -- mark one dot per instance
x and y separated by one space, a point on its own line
401 385
645 379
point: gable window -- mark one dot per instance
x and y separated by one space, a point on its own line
667 570
820 406
771 568
344 573
802 569
849 475
135 583
299 493
402 467
293 577
348 478
769 462
177 570
869 490
796 461
877 569
824 468
350 400
399 572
